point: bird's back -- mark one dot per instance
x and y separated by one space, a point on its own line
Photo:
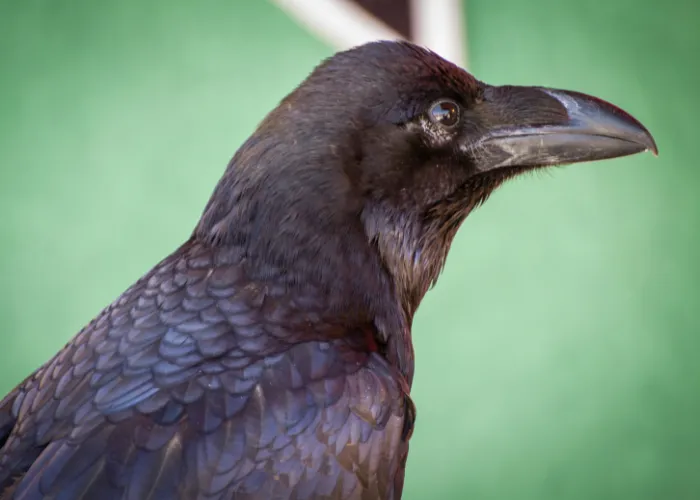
201 383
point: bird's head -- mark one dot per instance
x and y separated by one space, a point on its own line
370 166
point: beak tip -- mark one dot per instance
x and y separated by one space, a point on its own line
650 144
654 149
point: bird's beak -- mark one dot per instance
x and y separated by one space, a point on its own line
534 126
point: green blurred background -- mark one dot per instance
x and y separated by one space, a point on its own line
556 359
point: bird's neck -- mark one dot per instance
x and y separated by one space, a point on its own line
309 235
413 249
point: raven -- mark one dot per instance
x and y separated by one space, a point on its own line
270 355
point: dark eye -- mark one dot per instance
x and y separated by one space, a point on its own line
445 113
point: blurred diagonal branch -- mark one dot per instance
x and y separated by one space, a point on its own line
437 24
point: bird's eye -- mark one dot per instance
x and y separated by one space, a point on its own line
445 113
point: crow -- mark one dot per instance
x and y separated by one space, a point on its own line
270 356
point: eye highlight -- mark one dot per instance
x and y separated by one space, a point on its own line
445 113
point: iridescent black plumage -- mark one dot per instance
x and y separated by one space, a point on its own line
270 356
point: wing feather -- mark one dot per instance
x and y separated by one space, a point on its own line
198 383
